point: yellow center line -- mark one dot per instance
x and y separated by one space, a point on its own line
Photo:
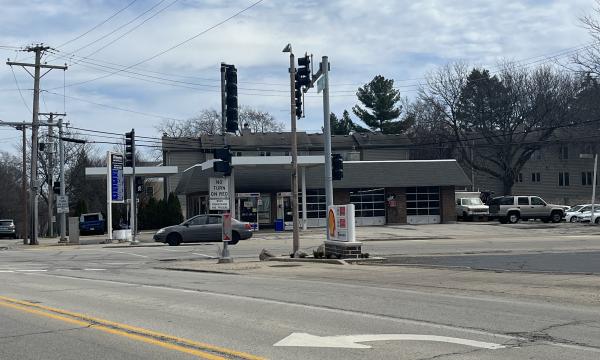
139 334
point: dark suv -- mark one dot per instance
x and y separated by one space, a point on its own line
7 228
509 209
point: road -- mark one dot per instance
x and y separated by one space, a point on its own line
82 302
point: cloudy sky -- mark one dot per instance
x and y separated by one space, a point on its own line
176 78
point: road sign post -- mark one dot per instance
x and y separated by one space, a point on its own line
226 235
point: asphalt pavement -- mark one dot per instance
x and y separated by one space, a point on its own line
103 301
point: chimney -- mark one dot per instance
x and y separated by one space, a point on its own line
246 130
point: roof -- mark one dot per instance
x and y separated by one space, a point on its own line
357 174
283 140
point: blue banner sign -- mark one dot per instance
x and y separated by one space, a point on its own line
117 178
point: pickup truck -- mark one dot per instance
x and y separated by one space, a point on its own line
92 223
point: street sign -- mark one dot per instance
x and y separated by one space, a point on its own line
117 178
62 204
218 204
218 190
226 227
320 84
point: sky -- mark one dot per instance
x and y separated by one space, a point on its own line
170 52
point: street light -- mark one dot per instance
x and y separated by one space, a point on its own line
589 156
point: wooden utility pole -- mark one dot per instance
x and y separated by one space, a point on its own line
34 182
24 185
50 159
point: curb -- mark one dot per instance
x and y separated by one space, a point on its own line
132 246
328 261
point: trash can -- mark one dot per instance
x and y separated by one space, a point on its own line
279 225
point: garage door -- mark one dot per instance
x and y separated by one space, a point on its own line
423 205
369 206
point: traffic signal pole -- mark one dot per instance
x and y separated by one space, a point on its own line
327 134
296 230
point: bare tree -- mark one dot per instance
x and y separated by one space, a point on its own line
208 122
588 58
508 115
259 121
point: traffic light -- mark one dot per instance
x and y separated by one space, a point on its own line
224 163
130 148
302 80
337 167
56 187
231 99
139 184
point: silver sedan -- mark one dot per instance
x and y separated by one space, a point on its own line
203 228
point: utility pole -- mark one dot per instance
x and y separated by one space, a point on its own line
24 185
50 157
295 215
35 185
61 155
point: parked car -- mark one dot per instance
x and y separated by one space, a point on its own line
509 209
572 214
470 207
7 228
92 223
203 228
587 216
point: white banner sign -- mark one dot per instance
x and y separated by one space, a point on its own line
218 204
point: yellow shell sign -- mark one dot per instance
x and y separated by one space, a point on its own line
331 222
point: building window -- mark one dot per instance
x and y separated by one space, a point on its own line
520 178
264 153
564 152
149 190
563 179
423 200
368 202
316 204
588 149
535 177
586 178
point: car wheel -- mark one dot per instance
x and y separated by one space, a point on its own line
513 218
235 238
174 239
556 216
597 220
573 219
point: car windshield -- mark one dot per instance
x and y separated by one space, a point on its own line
6 222
575 208
472 201
87 218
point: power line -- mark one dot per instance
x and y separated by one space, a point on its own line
98 25
174 46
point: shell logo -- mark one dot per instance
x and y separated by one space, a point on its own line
331 222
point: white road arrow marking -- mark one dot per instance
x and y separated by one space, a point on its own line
352 341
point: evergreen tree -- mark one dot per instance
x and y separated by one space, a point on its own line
345 125
380 109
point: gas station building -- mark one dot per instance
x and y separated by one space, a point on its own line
380 179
